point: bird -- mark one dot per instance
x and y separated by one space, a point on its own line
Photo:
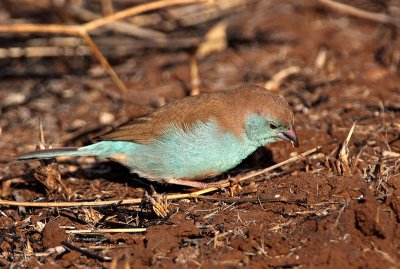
194 138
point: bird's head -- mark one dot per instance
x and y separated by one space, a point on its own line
264 130
270 119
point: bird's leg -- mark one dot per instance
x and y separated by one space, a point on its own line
186 182
199 184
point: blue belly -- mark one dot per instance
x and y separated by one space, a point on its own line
203 151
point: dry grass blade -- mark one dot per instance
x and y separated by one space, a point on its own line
87 27
42 143
215 40
159 203
119 230
213 10
136 10
40 52
356 12
320 60
194 77
50 251
344 152
100 57
18 196
168 197
73 204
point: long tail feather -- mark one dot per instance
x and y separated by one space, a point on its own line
103 149
49 153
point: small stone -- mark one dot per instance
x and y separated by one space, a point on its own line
106 118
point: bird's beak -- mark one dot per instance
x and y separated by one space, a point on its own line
290 136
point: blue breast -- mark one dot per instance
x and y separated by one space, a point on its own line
204 150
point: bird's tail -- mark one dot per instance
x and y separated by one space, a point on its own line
103 149
48 153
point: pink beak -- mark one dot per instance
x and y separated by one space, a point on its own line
290 136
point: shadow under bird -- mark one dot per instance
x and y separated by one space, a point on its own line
193 138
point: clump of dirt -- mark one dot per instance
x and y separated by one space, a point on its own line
53 235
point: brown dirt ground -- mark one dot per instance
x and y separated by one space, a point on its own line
319 217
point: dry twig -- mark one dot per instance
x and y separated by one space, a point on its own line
50 251
275 82
356 12
85 252
84 29
98 231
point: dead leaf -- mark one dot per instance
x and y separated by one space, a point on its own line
215 40
50 177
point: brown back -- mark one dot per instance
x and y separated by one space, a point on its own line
229 108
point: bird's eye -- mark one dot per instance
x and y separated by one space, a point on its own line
272 126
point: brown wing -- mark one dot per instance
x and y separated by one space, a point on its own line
183 113
138 130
